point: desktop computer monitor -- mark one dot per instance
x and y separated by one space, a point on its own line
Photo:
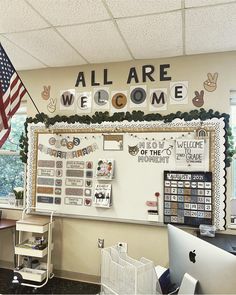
214 268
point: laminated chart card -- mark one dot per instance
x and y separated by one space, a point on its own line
64 171
102 195
67 182
188 198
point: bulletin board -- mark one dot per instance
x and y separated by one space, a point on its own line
116 171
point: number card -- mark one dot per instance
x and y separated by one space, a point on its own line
188 198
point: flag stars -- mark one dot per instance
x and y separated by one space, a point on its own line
10 94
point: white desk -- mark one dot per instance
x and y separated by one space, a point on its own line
6 224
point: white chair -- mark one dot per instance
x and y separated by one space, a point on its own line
188 285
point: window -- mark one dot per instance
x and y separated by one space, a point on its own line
10 161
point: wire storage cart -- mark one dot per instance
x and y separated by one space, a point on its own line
121 274
34 267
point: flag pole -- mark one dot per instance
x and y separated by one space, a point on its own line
25 87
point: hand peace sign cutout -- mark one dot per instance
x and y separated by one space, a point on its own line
211 83
198 100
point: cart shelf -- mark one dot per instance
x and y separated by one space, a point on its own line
37 275
33 224
25 274
24 249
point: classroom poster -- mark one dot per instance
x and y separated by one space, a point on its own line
189 152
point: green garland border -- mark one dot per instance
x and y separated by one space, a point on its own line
100 117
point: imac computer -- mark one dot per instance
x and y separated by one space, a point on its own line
214 268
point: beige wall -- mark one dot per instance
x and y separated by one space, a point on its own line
75 239
190 68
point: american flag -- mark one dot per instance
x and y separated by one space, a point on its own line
11 92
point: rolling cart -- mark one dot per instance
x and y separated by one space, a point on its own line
34 267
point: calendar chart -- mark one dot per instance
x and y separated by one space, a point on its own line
188 198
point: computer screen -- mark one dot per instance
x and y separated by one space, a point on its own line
214 268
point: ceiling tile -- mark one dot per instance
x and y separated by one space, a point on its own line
19 58
124 8
17 16
194 3
48 47
64 12
211 29
153 36
98 42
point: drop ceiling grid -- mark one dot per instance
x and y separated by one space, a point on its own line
198 3
18 16
47 46
153 36
124 8
144 29
97 42
211 29
70 12
20 59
